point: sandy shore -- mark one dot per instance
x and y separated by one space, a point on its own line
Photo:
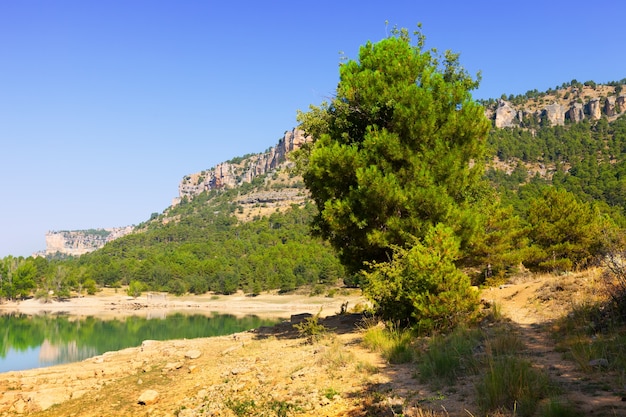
109 303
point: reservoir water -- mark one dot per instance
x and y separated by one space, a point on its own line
28 342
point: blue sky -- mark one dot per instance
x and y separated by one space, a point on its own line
106 105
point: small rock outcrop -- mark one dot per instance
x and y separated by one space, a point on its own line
576 113
593 109
609 106
573 104
621 103
555 114
505 114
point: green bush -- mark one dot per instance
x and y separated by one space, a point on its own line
423 286
311 328
135 288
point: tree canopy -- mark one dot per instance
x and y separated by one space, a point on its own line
398 150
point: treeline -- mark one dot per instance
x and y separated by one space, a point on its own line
536 94
203 247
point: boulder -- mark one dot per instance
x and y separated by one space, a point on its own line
299 318
193 354
148 397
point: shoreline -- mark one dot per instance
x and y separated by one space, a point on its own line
110 304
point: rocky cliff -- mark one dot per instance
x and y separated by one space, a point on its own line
240 170
79 242
571 104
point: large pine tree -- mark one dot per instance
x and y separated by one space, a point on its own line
398 150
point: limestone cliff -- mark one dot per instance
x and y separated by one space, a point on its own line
79 242
240 170
571 104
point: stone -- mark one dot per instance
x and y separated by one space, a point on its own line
505 114
555 113
193 354
239 371
599 363
609 106
576 113
148 397
593 109
170 366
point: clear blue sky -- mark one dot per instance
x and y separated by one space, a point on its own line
106 105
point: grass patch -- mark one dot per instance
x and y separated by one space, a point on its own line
336 356
240 407
330 393
556 408
366 367
448 357
591 333
503 341
512 384
393 342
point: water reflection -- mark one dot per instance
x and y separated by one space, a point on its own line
42 340
50 354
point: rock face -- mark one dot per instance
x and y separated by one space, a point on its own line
573 104
593 109
240 170
555 113
576 113
79 242
609 106
505 114
621 103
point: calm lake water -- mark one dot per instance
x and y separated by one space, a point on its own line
28 342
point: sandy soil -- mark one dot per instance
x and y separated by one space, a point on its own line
112 303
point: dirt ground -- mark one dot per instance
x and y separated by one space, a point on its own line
276 372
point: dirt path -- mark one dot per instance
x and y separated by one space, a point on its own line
533 307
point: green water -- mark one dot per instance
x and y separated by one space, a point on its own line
36 341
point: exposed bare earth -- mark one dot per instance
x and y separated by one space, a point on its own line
275 372
114 303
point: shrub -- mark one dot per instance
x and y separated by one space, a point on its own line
311 328
423 286
135 288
